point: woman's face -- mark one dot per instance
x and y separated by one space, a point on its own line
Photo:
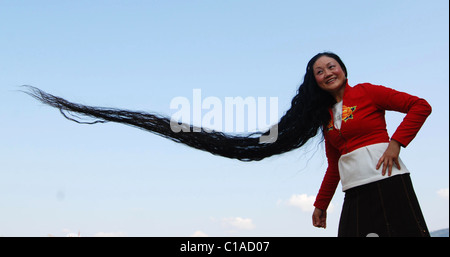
329 75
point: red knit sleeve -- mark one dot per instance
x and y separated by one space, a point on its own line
331 178
417 110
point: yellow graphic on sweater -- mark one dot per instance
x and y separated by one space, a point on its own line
347 114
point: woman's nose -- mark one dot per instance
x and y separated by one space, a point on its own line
327 73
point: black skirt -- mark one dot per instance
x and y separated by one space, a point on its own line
385 208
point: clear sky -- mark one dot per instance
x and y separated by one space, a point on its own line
60 178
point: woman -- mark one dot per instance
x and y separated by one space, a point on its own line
357 144
380 202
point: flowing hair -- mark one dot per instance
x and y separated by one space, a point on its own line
307 115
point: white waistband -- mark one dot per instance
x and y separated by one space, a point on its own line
359 166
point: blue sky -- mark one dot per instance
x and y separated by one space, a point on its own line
59 178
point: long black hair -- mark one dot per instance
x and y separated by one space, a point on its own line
307 115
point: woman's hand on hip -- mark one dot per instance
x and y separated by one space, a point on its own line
390 157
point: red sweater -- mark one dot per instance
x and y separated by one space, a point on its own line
363 124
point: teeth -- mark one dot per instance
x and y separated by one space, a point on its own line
331 80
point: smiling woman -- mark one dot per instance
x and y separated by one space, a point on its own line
352 122
330 77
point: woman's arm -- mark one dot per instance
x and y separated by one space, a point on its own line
328 186
417 110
